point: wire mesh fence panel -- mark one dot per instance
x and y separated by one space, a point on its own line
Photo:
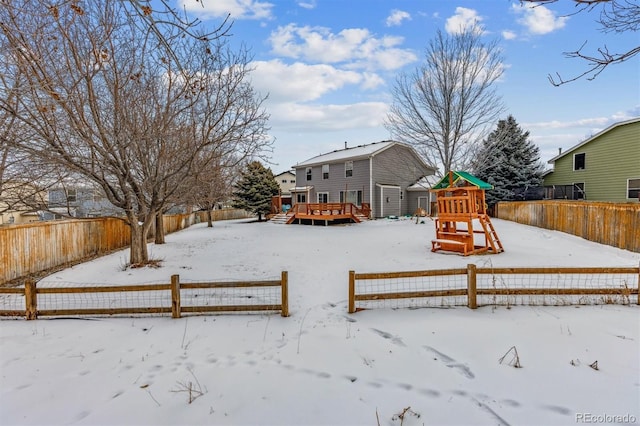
557 288
104 300
12 304
229 295
395 292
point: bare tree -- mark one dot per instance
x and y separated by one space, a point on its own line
114 91
616 16
213 185
446 106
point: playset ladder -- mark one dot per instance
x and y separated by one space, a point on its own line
492 235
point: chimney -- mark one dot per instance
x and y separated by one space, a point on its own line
559 151
345 144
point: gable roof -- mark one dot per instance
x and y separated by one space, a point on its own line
458 175
597 135
356 153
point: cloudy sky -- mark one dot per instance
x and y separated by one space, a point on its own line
328 66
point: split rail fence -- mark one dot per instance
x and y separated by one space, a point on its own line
473 287
173 298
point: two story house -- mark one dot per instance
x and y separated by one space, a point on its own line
604 167
78 200
382 175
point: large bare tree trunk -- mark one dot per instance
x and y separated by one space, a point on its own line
209 219
138 253
159 236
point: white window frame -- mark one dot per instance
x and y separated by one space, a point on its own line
584 165
319 194
348 167
309 173
635 188
356 194
72 195
325 171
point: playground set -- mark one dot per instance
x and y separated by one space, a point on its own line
461 206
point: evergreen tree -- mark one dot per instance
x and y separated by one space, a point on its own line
255 188
508 161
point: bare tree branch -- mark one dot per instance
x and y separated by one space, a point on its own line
615 16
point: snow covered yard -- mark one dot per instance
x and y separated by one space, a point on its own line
322 365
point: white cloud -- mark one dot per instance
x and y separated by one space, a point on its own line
239 9
396 18
328 117
508 35
356 47
464 19
300 82
539 19
307 4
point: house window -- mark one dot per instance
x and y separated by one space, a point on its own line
293 181
301 198
72 195
633 189
323 197
579 161
284 181
308 172
354 197
325 171
348 169
578 191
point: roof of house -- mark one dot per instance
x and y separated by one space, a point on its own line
355 153
289 172
457 176
597 135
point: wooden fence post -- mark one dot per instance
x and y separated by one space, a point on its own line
638 295
352 291
175 296
284 283
30 300
471 286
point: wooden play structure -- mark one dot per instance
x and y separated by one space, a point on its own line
461 205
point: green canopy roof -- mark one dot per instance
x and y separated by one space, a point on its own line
470 179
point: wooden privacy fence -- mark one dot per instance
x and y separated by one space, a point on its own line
35 247
614 224
173 298
473 286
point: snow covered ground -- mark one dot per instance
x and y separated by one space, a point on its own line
321 365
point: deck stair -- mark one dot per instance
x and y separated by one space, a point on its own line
280 218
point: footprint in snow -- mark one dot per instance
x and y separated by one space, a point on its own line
394 339
451 363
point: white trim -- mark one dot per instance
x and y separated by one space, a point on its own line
627 191
584 190
597 135
322 193
574 161
382 186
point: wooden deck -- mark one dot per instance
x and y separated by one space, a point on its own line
325 213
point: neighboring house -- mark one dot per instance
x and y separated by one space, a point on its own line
605 167
287 181
18 203
382 175
78 201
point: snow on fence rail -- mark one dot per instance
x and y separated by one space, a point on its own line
472 286
173 298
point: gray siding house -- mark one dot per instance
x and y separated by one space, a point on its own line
78 201
382 175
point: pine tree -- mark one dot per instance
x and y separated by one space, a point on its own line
508 161
255 188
